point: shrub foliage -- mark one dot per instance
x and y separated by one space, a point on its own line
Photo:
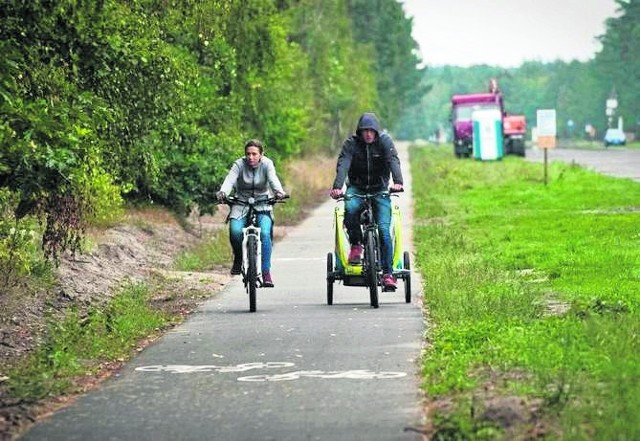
116 101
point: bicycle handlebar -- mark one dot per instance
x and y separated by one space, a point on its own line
389 192
232 200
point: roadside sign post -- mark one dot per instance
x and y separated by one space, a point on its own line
546 125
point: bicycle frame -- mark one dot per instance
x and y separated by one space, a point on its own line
252 245
369 226
367 223
371 266
252 231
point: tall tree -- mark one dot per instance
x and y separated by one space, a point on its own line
344 83
383 26
618 63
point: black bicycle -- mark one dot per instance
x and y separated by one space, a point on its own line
369 272
371 258
251 244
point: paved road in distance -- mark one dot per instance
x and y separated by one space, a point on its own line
614 161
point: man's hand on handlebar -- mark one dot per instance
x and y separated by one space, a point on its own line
220 196
281 196
335 193
396 188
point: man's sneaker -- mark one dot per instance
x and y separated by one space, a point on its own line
388 283
267 282
236 268
355 255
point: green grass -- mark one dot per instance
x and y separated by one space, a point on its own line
214 250
534 279
79 343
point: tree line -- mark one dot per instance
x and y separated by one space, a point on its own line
109 102
577 90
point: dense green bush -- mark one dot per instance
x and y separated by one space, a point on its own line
151 100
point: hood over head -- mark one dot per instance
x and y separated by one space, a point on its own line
368 120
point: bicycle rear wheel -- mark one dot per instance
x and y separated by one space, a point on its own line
252 271
370 267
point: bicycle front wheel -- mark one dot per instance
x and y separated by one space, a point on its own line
252 271
371 267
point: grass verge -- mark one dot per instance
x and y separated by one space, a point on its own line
214 250
83 342
533 296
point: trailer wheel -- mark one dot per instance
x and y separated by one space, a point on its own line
330 279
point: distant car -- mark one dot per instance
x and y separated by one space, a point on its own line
614 137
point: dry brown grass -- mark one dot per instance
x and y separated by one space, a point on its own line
151 214
307 178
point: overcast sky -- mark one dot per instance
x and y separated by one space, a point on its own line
507 32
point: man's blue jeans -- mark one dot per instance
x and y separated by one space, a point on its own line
266 226
382 213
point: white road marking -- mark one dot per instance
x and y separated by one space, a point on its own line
357 374
354 374
189 369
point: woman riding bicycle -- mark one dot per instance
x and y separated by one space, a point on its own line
252 176
368 158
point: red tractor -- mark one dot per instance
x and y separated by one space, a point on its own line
514 128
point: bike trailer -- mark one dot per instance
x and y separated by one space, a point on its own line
351 275
338 267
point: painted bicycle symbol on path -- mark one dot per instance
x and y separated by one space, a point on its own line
353 374
356 374
190 369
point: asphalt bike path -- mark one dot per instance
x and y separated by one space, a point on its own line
297 369
614 161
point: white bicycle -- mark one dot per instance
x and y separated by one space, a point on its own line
252 245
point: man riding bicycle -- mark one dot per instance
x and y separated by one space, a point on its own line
368 158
